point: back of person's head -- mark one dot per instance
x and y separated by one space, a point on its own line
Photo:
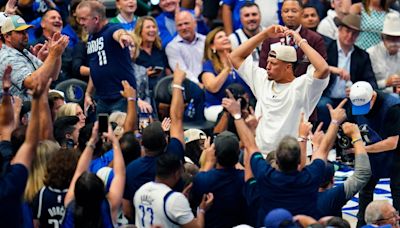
97 8
338 223
374 211
44 151
279 218
154 139
130 147
288 154
18 138
89 195
117 118
68 109
64 126
167 165
84 135
61 168
227 149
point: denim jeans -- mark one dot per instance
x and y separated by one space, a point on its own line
109 106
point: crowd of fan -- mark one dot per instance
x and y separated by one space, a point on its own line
269 88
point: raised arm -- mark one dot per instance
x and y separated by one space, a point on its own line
338 115
245 49
177 105
118 183
27 151
50 65
362 168
227 19
131 115
83 163
304 130
7 121
46 126
319 63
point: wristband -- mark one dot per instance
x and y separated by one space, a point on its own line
356 140
301 139
200 210
176 86
302 41
132 99
90 145
335 122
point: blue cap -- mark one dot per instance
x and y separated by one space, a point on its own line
279 218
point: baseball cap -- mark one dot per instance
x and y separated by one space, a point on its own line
226 146
3 17
14 23
278 218
191 135
283 53
360 97
153 137
391 25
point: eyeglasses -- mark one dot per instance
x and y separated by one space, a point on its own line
395 214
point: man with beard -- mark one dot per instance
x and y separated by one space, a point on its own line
250 18
291 14
27 69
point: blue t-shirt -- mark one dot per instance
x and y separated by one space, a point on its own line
69 220
235 6
229 205
331 201
156 58
109 63
216 98
294 191
12 187
143 169
102 161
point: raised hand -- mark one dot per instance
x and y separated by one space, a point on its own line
7 78
129 91
57 44
11 7
166 124
317 136
179 75
40 88
338 115
251 120
207 201
276 31
304 127
351 130
230 104
295 35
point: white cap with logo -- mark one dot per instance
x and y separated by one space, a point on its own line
360 97
283 53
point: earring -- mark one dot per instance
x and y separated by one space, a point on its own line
214 51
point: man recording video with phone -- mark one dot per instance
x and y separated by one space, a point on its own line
380 112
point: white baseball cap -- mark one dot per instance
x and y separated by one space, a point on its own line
360 97
283 53
194 134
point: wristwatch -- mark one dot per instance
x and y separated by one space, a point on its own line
237 116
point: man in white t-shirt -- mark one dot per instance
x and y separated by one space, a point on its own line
157 204
281 97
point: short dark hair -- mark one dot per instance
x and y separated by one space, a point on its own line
227 149
154 138
167 165
338 222
62 126
130 147
288 154
308 5
249 4
298 1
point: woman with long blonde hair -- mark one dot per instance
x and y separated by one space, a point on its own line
217 73
151 54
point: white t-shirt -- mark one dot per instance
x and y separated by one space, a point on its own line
149 206
280 105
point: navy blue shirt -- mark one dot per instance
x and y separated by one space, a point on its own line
48 206
69 220
229 206
109 63
12 187
331 201
143 169
294 191
216 98
156 58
